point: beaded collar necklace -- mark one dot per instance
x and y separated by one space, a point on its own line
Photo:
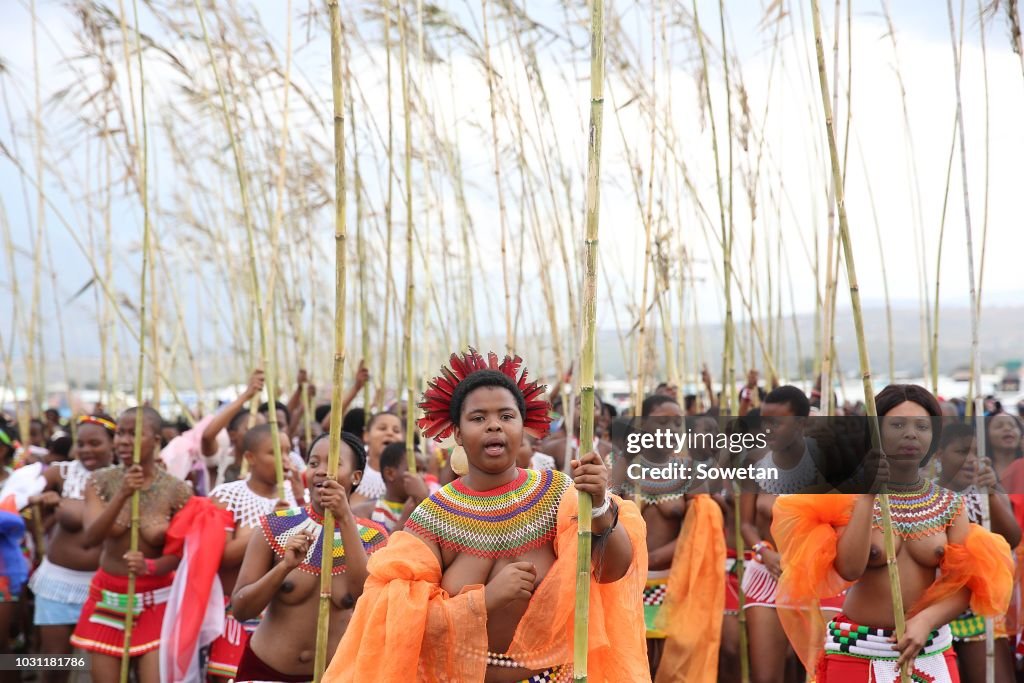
506 521
281 525
920 509
653 491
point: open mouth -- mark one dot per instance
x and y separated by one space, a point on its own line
494 447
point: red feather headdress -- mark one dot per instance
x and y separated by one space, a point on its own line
436 422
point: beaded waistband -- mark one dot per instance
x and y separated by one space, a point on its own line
856 640
553 674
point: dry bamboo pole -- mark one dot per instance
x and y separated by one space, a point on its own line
588 344
104 283
388 210
984 71
8 352
858 321
933 348
830 281
143 175
410 256
502 215
364 312
258 300
60 335
728 385
636 174
33 341
275 229
923 289
340 272
881 260
23 419
979 413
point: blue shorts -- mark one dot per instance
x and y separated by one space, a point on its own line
52 613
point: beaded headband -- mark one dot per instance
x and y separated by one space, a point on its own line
436 422
101 421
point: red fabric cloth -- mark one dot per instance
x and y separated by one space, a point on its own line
226 652
252 668
102 630
197 534
843 669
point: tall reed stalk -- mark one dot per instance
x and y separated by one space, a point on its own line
979 413
143 170
410 254
858 322
588 345
254 276
337 375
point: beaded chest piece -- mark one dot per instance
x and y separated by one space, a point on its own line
503 522
283 524
650 491
920 509
245 505
75 477
158 502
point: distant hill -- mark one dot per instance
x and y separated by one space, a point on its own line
1001 340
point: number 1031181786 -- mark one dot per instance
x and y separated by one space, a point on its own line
10 662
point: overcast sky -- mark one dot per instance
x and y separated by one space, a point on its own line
879 146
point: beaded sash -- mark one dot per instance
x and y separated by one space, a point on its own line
920 509
503 522
279 526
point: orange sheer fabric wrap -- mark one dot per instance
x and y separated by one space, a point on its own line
804 528
983 564
691 616
407 628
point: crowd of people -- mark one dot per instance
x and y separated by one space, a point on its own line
459 563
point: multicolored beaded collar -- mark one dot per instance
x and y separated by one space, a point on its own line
920 509
279 526
503 522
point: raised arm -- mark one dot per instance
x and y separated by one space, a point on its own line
224 416
333 497
362 377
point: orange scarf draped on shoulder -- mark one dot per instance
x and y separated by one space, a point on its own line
407 628
805 528
691 616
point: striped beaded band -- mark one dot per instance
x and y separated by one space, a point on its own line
874 643
920 510
503 522
100 421
281 525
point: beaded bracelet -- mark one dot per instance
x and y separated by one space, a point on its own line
150 566
603 508
760 547
611 527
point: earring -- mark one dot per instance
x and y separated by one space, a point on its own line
459 461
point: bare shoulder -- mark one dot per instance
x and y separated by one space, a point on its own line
432 545
553 445
364 509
